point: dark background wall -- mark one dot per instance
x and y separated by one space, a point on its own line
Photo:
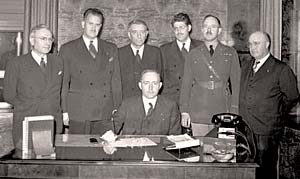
157 14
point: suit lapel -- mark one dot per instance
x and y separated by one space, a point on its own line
84 53
264 70
141 107
102 57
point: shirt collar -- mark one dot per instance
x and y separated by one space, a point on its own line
187 44
38 58
87 42
263 60
141 50
146 101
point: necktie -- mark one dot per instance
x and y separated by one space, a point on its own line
43 65
150 109
138 57
92 49
183 50
255 66
211 50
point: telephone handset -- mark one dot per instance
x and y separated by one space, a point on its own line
226 119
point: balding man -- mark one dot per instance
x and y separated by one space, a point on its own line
268 91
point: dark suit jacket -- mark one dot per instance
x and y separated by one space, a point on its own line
31 92
268 94
173 63
164 119
131 69
91 87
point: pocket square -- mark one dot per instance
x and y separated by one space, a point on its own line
59 73
111 59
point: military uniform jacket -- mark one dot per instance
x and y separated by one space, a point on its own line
200 102
173 63
131 69
91 87
267 95
163 120
33 92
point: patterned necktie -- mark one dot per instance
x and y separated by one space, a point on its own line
211 50
150 109
43 65
138 57
255 66
183 50
92 49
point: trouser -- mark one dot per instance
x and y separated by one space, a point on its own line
201 129
267 147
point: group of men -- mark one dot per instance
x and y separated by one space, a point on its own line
91 81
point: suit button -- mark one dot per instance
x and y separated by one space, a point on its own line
91 84
177 89
104 84
179 77
104 96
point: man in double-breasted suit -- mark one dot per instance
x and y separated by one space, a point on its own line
149 113
92 82
173 55
137 56
268 92
32 84
205 88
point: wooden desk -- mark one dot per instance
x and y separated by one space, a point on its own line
78 147
85 160
124 169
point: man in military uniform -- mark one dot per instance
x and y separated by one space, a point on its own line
211 80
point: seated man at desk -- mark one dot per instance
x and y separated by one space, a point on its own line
150 113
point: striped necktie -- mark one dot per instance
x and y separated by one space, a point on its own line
255 66
150 109
92 49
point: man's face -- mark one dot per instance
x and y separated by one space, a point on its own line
137 34
258 45
211 29
182 31
41 41
91 26
150 85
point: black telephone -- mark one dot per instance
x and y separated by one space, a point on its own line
245 145
226 119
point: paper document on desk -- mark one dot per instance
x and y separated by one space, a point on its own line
133 142
182 141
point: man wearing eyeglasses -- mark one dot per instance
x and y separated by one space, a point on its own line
211 80
137 56
92 83
268 92
32 84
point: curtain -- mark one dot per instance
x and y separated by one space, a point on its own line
40 12
270 22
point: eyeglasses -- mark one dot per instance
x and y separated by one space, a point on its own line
45 39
